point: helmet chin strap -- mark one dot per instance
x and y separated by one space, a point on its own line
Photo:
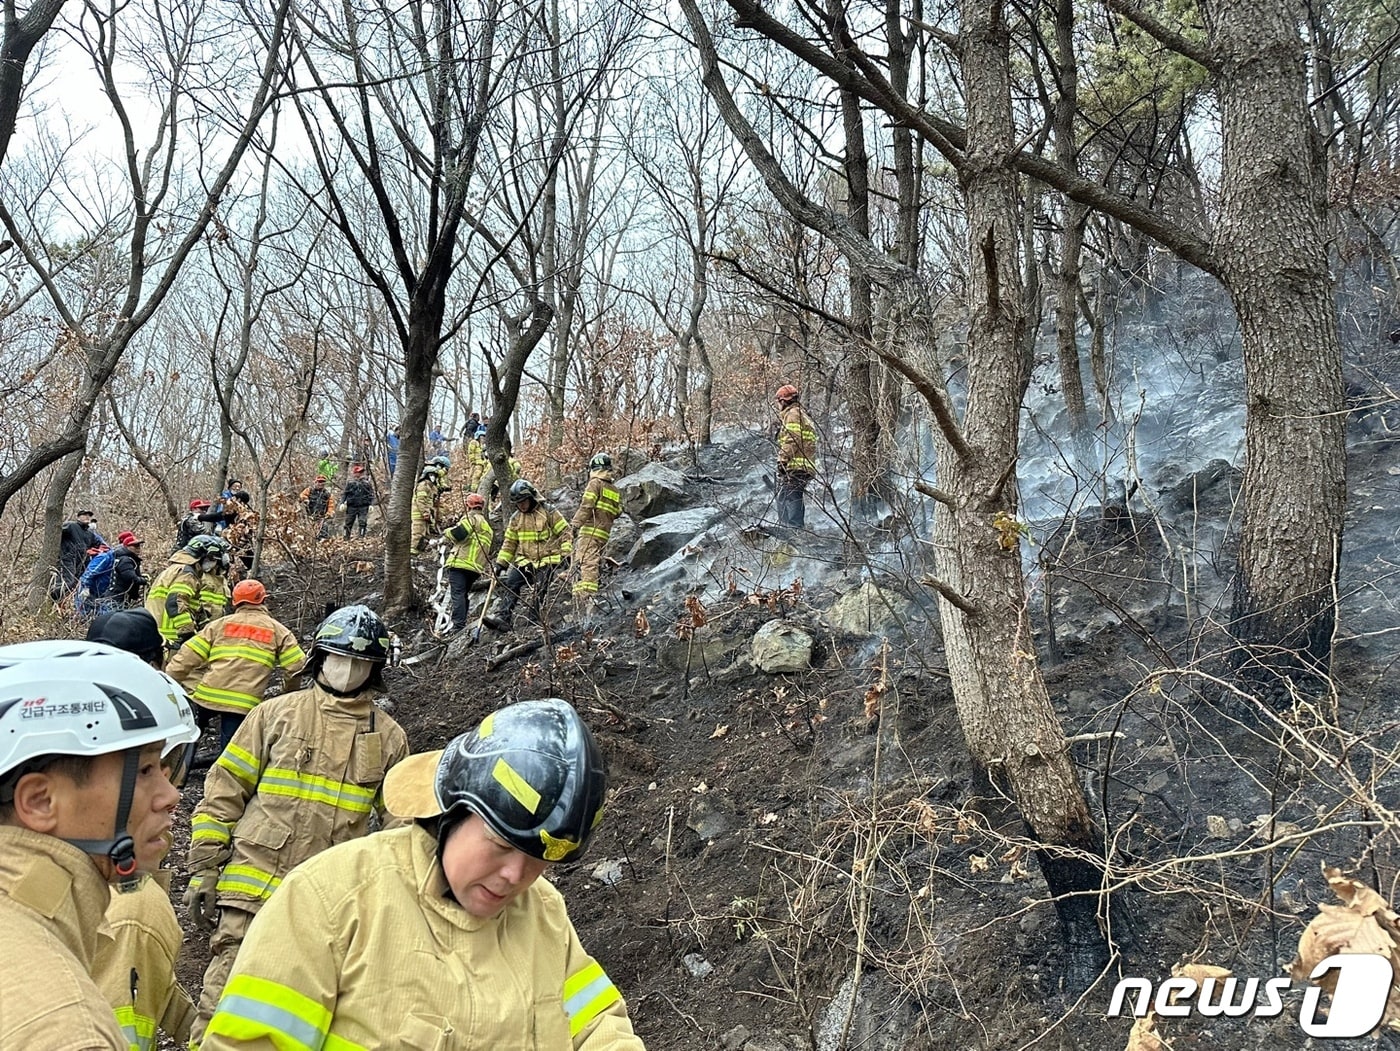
121 848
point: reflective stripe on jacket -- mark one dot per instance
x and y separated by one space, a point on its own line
357 947
228 665
52 927
471 542
599 506
303 772
425 500
539 537
183 598
136 973
797 440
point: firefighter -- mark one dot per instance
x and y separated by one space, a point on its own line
593 521
537 543
466 559
357 500
477 463
192 590
487 487
136 969
84 802
227 666
443 927
797 455
302 773
427 498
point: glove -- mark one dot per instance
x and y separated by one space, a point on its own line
501 570
341 508
201 901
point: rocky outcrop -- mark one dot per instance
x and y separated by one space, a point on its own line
780 648
654 490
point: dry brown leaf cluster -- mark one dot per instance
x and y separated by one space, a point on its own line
1144 1036
1364 923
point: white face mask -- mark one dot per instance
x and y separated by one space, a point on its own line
344 674
208 564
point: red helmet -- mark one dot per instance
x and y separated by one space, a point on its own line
475 502
197 503
787 392
128 538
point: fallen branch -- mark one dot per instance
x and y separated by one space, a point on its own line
514 651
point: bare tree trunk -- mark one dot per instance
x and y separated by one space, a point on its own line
1272 239
1005 710
57 495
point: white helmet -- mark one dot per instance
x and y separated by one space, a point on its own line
69 697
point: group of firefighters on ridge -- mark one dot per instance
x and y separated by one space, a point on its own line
322 934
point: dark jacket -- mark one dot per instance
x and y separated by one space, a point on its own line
128 586
73 546
318 502
358 493
193 525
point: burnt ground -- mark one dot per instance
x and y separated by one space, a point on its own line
769 844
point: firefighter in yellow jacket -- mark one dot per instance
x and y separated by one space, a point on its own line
536 545
477 463
797 456
442 934
85 801
302 773
466 559
598 509
192 590
136 969
228 665
427 498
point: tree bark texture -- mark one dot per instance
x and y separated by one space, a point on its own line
1273 248
1003 705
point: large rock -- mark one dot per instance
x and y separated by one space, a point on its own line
780 648
652 491
662 536
869 610
873 1017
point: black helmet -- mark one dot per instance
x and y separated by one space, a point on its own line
133 630
600 462
533 773
523 489
356 631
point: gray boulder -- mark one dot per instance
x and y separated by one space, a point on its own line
781 648
662 536
654 490
869 610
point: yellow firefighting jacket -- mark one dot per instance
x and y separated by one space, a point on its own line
599 507
303 772
476 463
471 542
425 501
228 665
797 441
52 902
362 948
487 486
536 538
183 598
136 972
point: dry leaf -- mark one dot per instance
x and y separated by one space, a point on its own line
1200 971
1365 924
978 863
1216 827
701 788
720 731
641 627
1143 1035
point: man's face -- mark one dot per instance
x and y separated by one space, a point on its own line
135 548
235 487
486 873
523 505
320 483
86 519
87 811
